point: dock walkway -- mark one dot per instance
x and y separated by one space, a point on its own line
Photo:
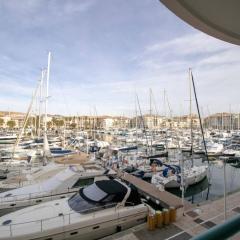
164 198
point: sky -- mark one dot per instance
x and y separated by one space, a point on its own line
104 52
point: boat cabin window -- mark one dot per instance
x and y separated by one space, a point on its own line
83 182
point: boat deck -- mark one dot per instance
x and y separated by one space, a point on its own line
164 198
195 221
77 158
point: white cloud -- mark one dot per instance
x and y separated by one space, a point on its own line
93 62
216 67
196 43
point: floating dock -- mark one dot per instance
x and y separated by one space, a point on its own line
163 198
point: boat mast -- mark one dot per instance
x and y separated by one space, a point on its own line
143 123
47 86
222 121
35 116
165 117
64 133
46 150
238 121
230 118
164 107
151 120
190 110
136 121
199 115
25 121
40 104
182 183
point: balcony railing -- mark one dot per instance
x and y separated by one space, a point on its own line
221 231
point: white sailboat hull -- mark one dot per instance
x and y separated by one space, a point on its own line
189 179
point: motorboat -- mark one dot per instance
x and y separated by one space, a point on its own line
103 208
60 185
214 149
232 150
125 148
170 177
8 139
19 153
59 152
198 150
159 154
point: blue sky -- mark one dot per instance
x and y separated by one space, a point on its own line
105 51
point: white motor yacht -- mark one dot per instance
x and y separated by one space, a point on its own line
214 149
63 184
101 209
232 150
7 139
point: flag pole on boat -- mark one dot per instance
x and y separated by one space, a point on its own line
225 189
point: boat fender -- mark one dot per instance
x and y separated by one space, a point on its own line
119 228
178 178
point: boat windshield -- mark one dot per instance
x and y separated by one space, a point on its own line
78 204
91 199
94 193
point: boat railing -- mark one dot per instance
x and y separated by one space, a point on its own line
12 229
20 183
34 195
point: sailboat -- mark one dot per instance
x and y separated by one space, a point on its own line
191 176
183 176
33 157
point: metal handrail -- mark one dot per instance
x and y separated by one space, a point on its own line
34 195
200 224
63 216
222 231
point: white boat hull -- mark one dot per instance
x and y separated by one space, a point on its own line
94 226
173 182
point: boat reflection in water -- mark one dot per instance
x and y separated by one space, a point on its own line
195 193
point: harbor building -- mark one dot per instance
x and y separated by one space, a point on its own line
223 121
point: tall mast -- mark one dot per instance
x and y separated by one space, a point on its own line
199 115
222 121
46 150
142 118
136 116
150 102
47 86
35 116
151 120
25 121
40 104
190 110
238 121
164 107
230 118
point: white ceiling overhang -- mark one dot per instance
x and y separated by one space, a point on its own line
218 18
